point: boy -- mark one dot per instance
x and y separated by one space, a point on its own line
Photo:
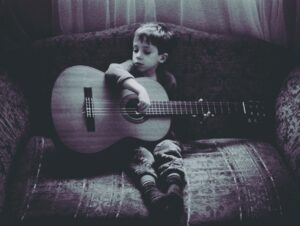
163 164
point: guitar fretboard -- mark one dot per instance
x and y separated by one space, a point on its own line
195 108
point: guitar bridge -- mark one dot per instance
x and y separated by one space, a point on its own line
88 111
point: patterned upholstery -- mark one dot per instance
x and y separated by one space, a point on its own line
14 128
229 180
288 120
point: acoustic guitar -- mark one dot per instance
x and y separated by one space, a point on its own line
89 117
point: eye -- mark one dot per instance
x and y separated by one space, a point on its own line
135 49
147 52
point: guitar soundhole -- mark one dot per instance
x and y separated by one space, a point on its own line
131 111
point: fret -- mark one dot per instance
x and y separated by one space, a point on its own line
244 108
208 110
155 109
180 107
166 107
174 108
221 107
215 108
159 108
204 107
228 106
202 111
191 107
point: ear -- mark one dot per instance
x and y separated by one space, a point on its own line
163 57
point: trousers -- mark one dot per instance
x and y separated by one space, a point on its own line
164 159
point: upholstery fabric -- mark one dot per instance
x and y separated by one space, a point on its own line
208 66
288 120
229 180
14 127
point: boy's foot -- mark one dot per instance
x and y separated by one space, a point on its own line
175 206
175 199
156 202
153 197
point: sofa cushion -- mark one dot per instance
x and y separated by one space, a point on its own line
14 127
229 180
208 66
288 120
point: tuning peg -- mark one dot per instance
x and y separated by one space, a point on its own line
207 114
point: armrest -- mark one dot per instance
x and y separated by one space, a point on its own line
288 120
14 125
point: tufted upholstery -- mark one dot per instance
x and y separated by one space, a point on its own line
237 173
14 128
288 120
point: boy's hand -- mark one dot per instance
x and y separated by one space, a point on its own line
141 92
144 100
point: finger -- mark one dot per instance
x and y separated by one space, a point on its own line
141 107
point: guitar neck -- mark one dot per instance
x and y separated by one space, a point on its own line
170 108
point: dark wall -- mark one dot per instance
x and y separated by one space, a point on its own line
34 16
23 21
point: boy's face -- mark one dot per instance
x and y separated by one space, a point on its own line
146 57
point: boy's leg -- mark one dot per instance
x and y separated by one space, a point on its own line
171 173
169 163
142 172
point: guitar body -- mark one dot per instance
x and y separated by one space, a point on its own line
89 117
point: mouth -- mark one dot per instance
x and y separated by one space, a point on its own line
138 64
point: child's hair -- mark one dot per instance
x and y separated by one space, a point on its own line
157 34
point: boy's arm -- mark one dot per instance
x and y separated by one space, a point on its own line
116 74
119 75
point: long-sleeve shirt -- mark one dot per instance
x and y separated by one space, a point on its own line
165 78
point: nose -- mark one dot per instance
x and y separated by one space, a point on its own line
139 55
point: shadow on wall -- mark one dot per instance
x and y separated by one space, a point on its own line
25 21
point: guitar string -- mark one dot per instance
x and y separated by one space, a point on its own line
156 110
182 102
181 107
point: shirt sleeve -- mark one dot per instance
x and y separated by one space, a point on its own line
170 85
116 74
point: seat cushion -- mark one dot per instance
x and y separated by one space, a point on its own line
229 180
14 127
288 120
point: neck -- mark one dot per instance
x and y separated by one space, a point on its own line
195 108
152 75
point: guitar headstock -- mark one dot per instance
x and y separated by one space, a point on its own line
255 111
